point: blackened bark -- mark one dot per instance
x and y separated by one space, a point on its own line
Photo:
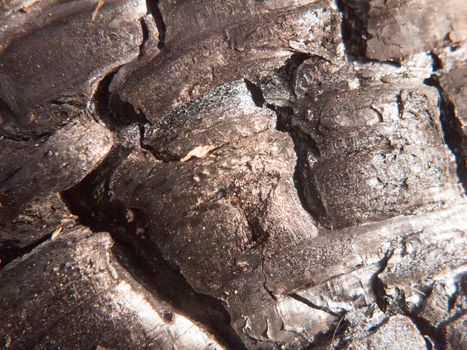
232 174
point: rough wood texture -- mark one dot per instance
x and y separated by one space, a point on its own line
235 174
83 297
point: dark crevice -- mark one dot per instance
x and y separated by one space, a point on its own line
153 9
378 325
305 182
378 288
430 331
256 93
291 66
124 112
459 294
259 236
294 61
377 285
90 201
452 130
265 279
142 131
308 142
89 197
354 26
110 109
354 29
9 251
101 101
304 146
461 286
441 330
437 63
313 305
437 334
400 307
145 31
164 157
284 118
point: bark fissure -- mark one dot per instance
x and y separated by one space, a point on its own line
377 285
9 250
153 9
315 306
429 331
303 144
256 93
453 129
354 26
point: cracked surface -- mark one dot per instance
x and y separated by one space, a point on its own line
239 175
82 276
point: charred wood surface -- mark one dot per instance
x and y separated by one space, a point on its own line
235 174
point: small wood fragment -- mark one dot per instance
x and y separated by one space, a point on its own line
198 152
57 233
100 3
